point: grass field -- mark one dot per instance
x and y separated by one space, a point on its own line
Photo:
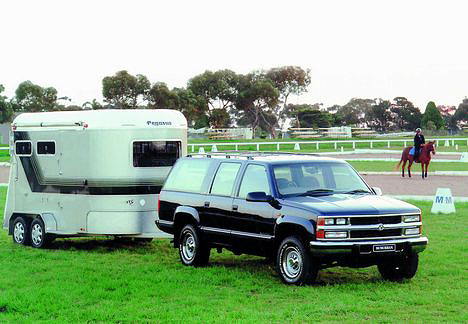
99 280
388 166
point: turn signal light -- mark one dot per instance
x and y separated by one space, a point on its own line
320 234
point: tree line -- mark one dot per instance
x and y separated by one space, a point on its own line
258 100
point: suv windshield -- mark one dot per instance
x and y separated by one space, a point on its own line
318 178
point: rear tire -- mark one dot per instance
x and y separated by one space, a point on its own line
21 231
39 237
193 251
399 269
294 263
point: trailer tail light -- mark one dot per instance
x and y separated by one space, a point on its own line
159 201
13 127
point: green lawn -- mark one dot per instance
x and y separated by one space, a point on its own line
387 166
96 280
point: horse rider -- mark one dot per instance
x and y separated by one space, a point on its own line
418 142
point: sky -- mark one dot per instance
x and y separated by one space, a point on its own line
366 49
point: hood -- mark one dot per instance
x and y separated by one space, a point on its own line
344 204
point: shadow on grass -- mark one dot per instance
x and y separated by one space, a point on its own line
99 245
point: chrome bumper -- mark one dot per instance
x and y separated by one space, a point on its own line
417 244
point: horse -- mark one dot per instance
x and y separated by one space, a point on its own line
424 159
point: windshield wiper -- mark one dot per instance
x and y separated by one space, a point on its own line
355 191
317 192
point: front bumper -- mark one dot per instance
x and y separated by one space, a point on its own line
365 247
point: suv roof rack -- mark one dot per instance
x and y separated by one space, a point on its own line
249 155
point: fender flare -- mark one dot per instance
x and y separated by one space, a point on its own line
186 210
50 222
307 224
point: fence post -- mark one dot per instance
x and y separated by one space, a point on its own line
258 146
354 145
193 148
277 146
237 147
371 144
388 144
317 145
453 142
335 145
404 144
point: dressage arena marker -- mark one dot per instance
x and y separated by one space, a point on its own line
443 202
297 147
214 148
201 150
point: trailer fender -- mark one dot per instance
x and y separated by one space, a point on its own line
49 222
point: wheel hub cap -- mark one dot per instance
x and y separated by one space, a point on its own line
19 232
292 262
188 247
36 234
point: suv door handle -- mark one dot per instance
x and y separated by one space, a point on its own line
235 207
207 204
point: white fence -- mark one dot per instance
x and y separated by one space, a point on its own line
438 141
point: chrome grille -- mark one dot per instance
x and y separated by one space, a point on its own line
375 220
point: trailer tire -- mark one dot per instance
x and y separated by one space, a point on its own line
21 231
39 237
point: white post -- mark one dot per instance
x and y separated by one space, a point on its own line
388 144
404 144
354 145
237 147
317 145
438 142
371 144
277 146
342 149
335 145
453 142
258 147
193 148
456 147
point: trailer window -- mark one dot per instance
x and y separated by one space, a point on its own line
23 148
46 148
155 153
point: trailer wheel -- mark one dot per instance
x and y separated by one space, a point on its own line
20 231
39 237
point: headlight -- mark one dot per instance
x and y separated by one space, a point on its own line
412 231
411 218
329 221
333 235
341 221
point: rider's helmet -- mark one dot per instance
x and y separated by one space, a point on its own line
418 130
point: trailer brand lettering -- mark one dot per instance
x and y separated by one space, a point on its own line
158 123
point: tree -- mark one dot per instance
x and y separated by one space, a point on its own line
379 115
6 110
93 105
447 113
309 116
192 106
256 101
288 80
30 97
219 118
432 114
461 115
405 116
123 89
354 111
160 97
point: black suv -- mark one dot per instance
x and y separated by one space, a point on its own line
305 212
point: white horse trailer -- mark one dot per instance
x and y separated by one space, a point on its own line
86 173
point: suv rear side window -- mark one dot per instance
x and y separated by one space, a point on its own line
188 175
225 178
155 153
254 179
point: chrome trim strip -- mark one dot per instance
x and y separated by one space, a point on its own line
419 240
238 233
370 215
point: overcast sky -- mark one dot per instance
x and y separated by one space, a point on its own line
367 49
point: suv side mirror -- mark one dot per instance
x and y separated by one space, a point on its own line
258 196
377 191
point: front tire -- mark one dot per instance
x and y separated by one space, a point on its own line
192 250
399 269
294 263
39 237
21 231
